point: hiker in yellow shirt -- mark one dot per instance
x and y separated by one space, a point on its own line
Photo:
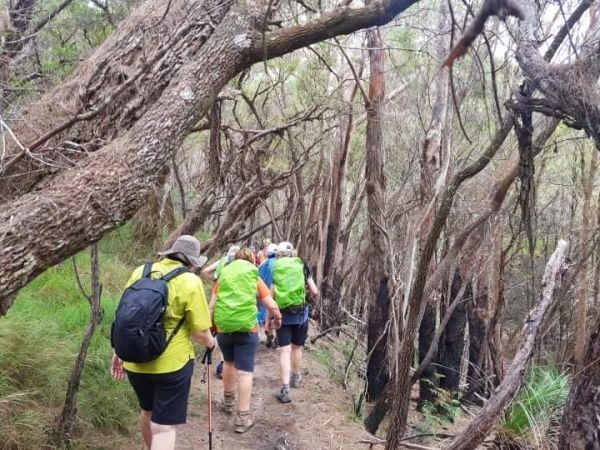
162 385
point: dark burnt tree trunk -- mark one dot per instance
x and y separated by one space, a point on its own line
380 264
452 343
428 379
476 380
581 420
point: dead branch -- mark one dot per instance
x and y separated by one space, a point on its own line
500 8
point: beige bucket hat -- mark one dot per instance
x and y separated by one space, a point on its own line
189 247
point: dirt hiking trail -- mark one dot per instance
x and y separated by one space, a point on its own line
316 419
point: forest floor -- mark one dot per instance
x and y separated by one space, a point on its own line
317 418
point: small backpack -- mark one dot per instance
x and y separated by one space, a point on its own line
138 334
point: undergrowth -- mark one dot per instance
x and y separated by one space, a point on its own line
532 421
40 339
342 362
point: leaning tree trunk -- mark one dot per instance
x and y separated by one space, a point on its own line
581 421
379 266
210 42
490 414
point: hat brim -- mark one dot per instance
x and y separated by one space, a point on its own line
196 262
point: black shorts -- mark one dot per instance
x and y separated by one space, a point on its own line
239 348
292 334
165 394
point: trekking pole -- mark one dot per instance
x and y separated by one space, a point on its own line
207 359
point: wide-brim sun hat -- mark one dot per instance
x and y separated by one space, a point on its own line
189 247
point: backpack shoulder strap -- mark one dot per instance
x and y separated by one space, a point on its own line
168 277
179 324
147 270
174 273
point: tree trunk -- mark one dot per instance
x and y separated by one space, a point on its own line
583 291
67 419
329 287
428 381
477 312
452 343
434 162
379 267
490 414
580 427
210 43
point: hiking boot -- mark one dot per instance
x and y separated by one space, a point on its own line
228 402
295 380
220 370
243 422
284 395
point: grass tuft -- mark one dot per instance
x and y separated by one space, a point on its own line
532 420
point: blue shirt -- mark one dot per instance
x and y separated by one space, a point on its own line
265 271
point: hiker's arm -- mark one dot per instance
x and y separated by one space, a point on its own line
264 296
197 316
210 270
312 288
204 338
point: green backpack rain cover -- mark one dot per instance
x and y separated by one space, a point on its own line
235 310
289 283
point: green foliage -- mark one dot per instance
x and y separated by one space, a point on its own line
444 411
40 340
532 418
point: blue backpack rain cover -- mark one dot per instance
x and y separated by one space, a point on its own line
138 334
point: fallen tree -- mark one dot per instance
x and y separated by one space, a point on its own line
214 41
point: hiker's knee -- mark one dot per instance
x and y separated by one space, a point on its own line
163 436
286 349
159 429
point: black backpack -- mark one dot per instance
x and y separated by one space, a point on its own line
138 334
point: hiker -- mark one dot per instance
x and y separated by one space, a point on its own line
162 385
212 271
234 309
265 272
291 277
263 253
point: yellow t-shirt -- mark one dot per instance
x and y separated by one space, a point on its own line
186 296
